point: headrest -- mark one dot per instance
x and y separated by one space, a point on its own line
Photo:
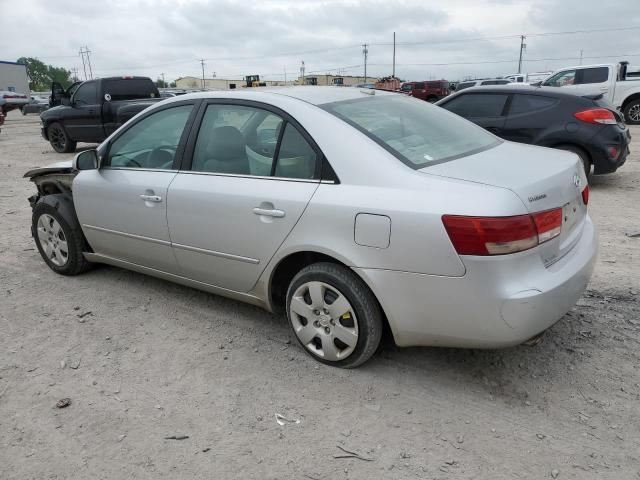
226 143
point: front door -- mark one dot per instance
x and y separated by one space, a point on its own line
252 175
122 206
84 119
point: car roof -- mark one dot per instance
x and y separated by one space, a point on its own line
520 88
312 94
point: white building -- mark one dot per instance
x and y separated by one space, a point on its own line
13 77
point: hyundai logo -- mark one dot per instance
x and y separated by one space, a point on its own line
576 180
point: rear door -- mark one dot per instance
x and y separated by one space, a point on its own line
593 80
122 206
123 89
529 116
250 174
485 109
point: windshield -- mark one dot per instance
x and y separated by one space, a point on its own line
407 87
417 133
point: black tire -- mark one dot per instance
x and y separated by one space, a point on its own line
432 99
631 112
23 111
363 303
584 158
59 139
76 243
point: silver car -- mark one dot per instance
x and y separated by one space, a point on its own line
352 210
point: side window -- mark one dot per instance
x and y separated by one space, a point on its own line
296 158
419 86
473 105
236 139
86 94
152 142
529 103
562 79
592 75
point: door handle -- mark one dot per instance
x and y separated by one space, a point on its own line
266 212
151 198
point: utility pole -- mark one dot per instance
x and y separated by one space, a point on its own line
523 47
285 75
302 72
87 52
365 52
581 52
84 67
202 63
75 74
393 74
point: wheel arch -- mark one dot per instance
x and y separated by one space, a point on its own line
63 203
629 99
586 153
289 265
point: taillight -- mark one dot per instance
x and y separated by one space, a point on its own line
597 115
585 195
502 235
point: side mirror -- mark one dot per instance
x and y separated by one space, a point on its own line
87 160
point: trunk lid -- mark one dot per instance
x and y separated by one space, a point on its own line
543 179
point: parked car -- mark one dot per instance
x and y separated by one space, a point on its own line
1 118
478 83
527 77
611 80
431 91
95 109
348 209
36 105
12 100
587 126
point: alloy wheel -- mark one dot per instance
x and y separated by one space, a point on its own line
52 240
634 112
324 321
57 137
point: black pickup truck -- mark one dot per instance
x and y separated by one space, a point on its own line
91 111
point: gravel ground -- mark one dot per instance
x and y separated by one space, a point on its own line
142 359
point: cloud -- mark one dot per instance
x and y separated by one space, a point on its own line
147 37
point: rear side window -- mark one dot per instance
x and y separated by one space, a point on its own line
296 158
462 86
476 105
86 94
415 132
529 103
130 89
592 75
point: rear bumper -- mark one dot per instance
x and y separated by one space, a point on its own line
499 302
599 145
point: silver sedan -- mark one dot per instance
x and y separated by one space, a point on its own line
351 210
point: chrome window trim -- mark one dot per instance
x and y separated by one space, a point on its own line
258 177
166 170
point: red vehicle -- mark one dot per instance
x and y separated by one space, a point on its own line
1 117
431 91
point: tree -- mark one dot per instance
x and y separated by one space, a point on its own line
41 75
172 85
161 83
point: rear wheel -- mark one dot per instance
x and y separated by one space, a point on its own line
59 139
24 112
432 99
59 245
631 112
334 315
586 163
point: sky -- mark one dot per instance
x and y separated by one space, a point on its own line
451 39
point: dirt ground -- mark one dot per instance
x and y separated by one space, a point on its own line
142 359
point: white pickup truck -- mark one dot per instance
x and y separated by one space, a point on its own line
618 84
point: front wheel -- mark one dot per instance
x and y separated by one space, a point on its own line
24 112
59 245
59 139
632 112
334 315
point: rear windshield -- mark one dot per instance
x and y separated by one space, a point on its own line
130 89
417 133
